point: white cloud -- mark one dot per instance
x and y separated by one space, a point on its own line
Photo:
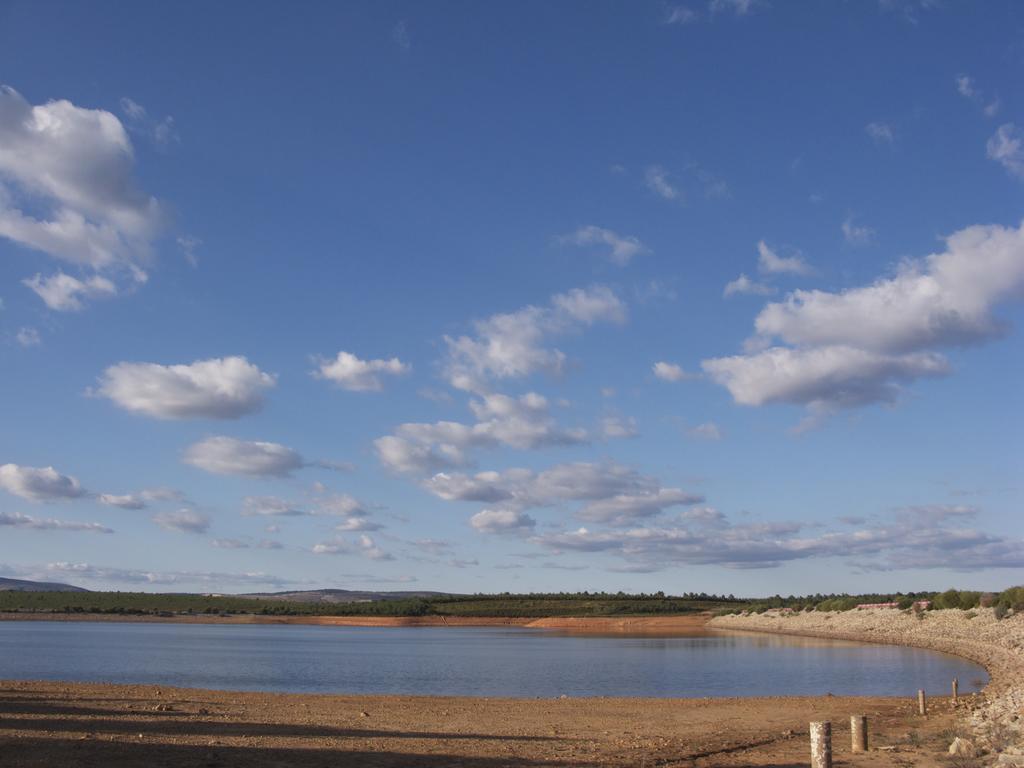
626 508
512 345
183 521
39 483
349 372
706 431
125 501
160 131
856 234
680 14
738 7
744 284
943 299
609 493
219 388
18 520
770 262
860 345
821 376
270 506
617 427
229 456
64 293
524 423
907 541
28 337
671 372
77 164
965 86
365 546
622 248
502 521
400 35
1006 147
656 179
880 133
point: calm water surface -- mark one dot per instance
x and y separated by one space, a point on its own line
467 661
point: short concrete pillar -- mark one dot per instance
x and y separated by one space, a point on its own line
956 685
922 705
859 733
821 745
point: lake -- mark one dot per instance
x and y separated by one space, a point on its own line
468 661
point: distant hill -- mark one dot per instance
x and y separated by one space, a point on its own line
21 585
338 596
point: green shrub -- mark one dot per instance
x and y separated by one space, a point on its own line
1000 611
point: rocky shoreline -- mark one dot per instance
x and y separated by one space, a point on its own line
995 718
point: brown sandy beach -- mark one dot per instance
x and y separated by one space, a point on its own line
49 724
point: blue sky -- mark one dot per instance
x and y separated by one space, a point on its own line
537 296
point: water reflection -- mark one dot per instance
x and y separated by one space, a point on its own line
473 661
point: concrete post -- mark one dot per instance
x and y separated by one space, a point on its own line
956 684
922 705
859 733
821 745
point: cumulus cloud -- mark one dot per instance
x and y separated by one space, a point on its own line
124 501
27 337
617 427
218 388
621 248
706 431
364 546
671 372
857 346
349 372
160 131
39 483
513 345
770 262
516 422
18 520
744 284
230 456
737 7
609 493
902 543
680 14
76 165
502 521
968 88
64 293
270 506
183 521
856 234
657 180
880 133
1006 147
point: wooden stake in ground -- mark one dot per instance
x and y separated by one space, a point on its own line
956 684
821 745
859 733
922 705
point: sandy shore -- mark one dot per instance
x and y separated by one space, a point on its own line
61 724
996 721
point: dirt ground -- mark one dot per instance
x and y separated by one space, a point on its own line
70 725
